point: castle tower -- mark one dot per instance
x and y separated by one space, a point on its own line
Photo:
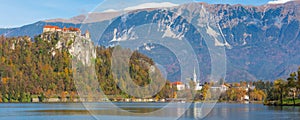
65 29
87 34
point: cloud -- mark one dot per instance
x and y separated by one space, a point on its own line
279 1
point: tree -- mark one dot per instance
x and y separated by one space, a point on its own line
258 95
30 69
240 94
63 95
279 86
48 94
205 91
291 85
298 80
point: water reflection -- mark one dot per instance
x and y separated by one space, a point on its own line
103 111
225 111
194 112
285 108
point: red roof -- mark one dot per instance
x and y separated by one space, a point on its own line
71 29
74 29
64 29
49 26
177 83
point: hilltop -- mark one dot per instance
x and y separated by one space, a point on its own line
43 69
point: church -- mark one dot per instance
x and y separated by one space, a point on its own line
198 85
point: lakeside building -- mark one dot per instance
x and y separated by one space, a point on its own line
182 86
178 85
223 88
247 88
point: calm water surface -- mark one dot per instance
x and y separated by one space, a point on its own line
77 111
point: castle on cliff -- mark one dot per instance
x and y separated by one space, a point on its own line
72 30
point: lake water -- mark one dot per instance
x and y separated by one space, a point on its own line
145 111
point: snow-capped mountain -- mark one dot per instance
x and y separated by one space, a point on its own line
279 1
262 42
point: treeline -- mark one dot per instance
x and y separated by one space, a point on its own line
29 69
116 83
277 92
284 91
237 92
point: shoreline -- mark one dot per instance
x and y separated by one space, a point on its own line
275 104
285 102
230 102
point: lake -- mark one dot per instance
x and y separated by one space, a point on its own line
145 111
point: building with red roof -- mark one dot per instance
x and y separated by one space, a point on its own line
50 28
178 85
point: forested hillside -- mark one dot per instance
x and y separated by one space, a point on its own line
30 69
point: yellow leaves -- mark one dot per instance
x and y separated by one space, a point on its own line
276 82
70 71
236 84
3 59
157 97
38 90
66 71
5 80
72 96
63 94
258 95
279 84
279 81
236 93
48 93
206 92
28 59
175 94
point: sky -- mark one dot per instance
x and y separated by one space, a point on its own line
16 13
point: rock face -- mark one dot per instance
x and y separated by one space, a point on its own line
262 42
77 45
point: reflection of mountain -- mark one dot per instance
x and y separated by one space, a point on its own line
261 42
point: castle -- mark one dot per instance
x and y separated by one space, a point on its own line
76 31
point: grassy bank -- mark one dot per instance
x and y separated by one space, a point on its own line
285 102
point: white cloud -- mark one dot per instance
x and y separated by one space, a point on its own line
279 1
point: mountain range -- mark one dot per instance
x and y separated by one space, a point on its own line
261 42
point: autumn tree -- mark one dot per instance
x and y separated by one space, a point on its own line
280 87
292 86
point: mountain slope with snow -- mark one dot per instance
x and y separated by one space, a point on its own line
151 5
262 42
279 1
